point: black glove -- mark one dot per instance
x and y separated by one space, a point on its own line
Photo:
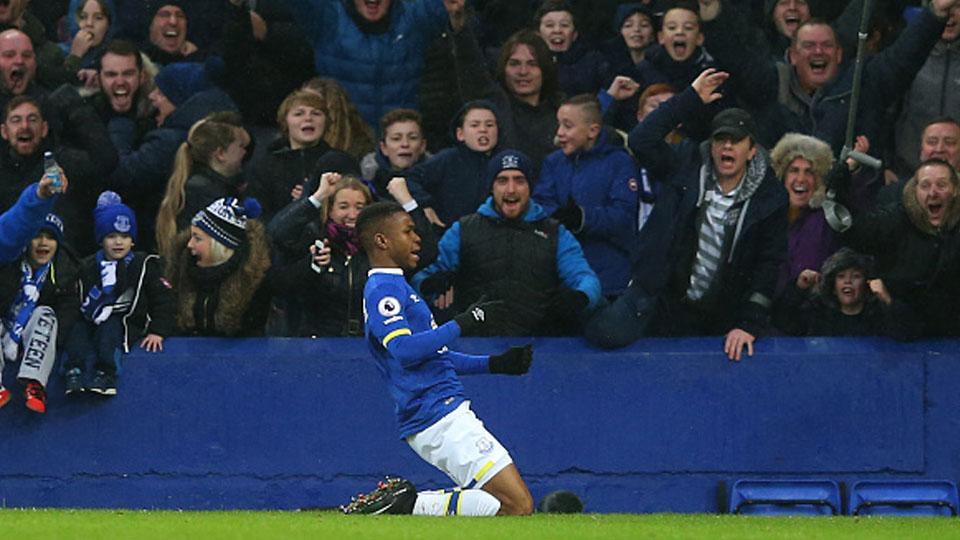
481 313
570 216
568 303
515 361
437 284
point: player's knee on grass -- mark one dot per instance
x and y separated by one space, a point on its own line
521 507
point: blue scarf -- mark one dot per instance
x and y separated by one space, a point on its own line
99 303
31 283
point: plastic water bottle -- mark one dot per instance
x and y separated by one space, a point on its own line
51 169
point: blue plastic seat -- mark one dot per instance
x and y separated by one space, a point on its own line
903 498
778 497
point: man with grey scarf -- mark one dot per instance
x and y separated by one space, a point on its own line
708 257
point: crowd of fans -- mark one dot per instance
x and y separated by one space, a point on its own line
608 169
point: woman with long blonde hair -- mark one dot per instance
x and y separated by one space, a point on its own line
207 167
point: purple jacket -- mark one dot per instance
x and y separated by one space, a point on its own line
810 240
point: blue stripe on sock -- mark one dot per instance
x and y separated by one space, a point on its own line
454 499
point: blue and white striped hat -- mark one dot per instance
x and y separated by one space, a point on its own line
225 220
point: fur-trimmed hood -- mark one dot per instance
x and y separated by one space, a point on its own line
918 216
844 259
236 291
794 145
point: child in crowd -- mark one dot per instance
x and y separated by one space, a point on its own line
843 300
207 167
454 180
677 60
299 155
402 146
38 306
590 186
124 298
580 68
637 31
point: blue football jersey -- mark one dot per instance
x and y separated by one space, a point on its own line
410 351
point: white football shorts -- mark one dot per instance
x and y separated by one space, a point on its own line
460 446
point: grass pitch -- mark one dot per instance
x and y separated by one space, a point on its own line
132 524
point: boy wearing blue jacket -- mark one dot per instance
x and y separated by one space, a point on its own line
590 186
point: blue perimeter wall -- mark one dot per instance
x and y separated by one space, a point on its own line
661 426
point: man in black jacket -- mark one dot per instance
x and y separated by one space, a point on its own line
717 235
82 149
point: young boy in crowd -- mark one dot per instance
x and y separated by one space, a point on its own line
453 182
590 186
843 300
434 414
677 60
402 146
124 298
38 306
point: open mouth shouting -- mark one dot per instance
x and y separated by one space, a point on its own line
121 98
791 21
17 80
935 211
818 66
25 141
372 10
848 294
681 49
558 43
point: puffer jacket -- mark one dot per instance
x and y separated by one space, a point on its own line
378 64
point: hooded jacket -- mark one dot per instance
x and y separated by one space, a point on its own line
817 312
603 182
522 262
755 247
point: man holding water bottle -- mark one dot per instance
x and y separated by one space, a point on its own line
84 153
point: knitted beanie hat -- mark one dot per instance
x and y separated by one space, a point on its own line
181 80
112 216
54 224
225 220
507 160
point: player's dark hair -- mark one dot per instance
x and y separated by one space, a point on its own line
371 218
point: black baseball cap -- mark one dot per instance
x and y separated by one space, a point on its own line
734 122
